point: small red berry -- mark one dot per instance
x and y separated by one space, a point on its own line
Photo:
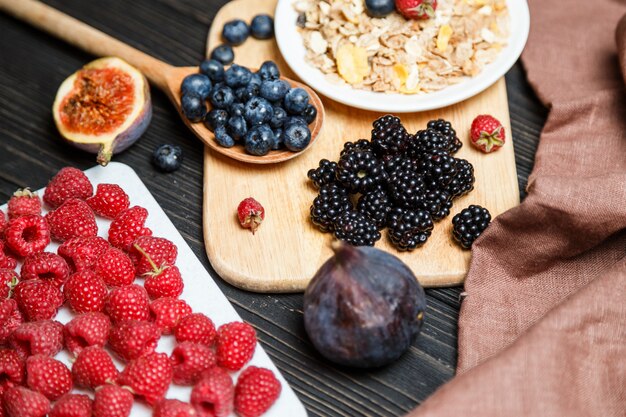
109 200
190 361
112 401
85 292
27 235
48 376
82 252
22 402
128 226
236 342
45 266
251 214
6 260
213 395
152 254
93 367
38 299
115 268
148 377
417 9
72 405
3 222
10 318
11 368
24 203
67 183
173 408
256 391
167 312
8 281
128 303
487 133
197 328
166 283
132 339
44 337
74 218
89 329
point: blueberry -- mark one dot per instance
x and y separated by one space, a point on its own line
274 90
259 140
262 26
279 117
237 127
295 120
235 32
258 111
194 108
269 71
212 69
196 84
309 114
216 118
223 138
244 94
223 54
296 100
221 97
236 109
237 76
379 8
256 79
297 137
167 158
279 139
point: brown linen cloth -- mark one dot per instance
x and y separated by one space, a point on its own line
542 331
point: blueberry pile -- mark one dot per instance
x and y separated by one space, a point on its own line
255 109
236 32
396 180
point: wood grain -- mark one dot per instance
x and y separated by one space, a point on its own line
287 250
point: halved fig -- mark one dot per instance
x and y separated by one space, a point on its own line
104 107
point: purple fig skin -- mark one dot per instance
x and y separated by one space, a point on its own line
363 308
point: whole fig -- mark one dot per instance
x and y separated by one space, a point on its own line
364 307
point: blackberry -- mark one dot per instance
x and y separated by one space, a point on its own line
409 229
469 224
359 145
445 128
463 181
456 145
328 205
438 203
356 229
324 174
438 169
389 137
401 162
406 188
427 141
360 171
375 205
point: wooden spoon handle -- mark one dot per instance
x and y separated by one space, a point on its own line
91 40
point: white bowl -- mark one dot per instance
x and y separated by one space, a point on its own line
291 47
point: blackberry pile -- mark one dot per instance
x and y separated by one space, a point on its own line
396 180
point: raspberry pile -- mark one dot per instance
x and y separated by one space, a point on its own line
115 315
396 180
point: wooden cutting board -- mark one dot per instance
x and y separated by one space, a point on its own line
287 250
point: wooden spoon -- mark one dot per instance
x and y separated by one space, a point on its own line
164 76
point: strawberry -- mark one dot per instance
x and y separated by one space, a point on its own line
24 203
109 200
67 183
48 376
44 337
82 252
213 395
152 254
45 266
166 283
128 226
85 292
128 303
197 328
11 368
417 9
89 329
112 401
93 367
72 405
115 268
167 312
148 377
38 299
257 389
132 339
251 214
27 235
8 281
10 318
236 342
189 361
6 260
22 402
487 133
74 218
173 408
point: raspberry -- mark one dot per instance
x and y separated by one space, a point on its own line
148 377
11 367
10 318
250 214
257 389
72 405
173 408
6 261
128 226
82 252
85 292
152 254
112 401
196 328
3 223
46 266
93 367
24 203
213 395
133 339
44 337
38 299
48 376
27 235
109 200
8 281
22 402
487 133
89 329
167 283
128 303
67 183
167 312
236 342
74 218
115 268
189 361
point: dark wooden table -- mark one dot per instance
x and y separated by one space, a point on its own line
32 65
